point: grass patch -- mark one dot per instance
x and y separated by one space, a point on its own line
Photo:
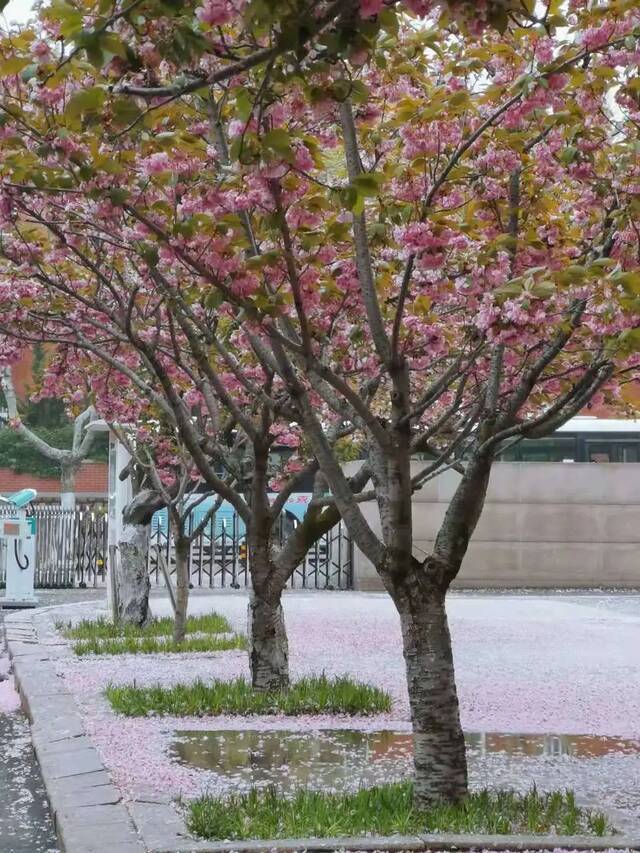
387 810
105 629
157 645
317 695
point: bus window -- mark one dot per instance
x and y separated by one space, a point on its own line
601 452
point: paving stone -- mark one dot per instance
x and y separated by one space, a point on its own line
53 705
60 728
117 838
81 783
159 825
147 794
48 710
69 744
99 795
23 648
75 763
40 683
99 815
69 801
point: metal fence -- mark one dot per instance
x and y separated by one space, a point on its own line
71 547
72 551
219 557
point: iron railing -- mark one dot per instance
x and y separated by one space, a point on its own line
71 547
72 551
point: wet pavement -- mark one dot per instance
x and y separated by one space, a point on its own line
603 771
25 819
563 663
332 758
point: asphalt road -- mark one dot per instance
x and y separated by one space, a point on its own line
25 821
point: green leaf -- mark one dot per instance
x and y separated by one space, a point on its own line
601 263
243 105
278 141
573 274
341 89
118 195
630 281
68 18
213 300
498 17
359 92
150 254
388 20
13 65
113 44
125 111
510 288
85 101
459 98
630 338
368 184
568 155
543 289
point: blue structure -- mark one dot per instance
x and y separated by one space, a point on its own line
226 519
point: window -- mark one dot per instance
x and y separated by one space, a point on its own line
618 450
553 449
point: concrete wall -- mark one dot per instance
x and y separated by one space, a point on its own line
543 525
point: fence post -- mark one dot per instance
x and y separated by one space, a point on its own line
111 570
167 579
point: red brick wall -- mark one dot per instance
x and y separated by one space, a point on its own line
91 481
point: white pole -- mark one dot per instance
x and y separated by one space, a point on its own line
120 493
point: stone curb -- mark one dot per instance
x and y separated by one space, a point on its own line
87 808
396 844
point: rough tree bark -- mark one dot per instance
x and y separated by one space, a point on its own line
438 739
419 589
268 645
182 557
266 631
132 574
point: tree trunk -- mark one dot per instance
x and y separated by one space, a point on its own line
183 553
133 575
268 645
68 487
439 747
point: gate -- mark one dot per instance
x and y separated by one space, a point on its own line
71 547
219 556
72 551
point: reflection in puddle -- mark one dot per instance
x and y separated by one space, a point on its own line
331 758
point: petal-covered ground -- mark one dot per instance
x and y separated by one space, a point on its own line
525 664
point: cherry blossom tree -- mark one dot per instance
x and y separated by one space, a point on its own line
174 484
70 459
149 355
426 239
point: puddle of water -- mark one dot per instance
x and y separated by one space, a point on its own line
332 758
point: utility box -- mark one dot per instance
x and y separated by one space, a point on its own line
18 542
